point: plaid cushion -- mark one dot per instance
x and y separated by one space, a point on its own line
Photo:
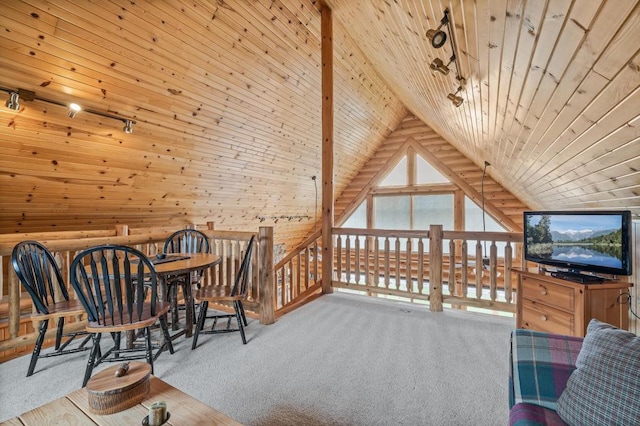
533 415
605 388
541 364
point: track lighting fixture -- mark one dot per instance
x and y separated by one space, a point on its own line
14 101
438 65
128 127
438 37
27 95
73 110
453 97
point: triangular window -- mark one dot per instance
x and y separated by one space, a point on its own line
426 173
398 175
358 218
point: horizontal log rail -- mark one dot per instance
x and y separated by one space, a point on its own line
15 303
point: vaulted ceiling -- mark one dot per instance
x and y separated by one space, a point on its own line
226 98
551 99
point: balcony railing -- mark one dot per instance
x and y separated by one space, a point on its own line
454 267
441 267
15 303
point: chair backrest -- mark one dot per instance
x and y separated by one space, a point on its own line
187 241
112 283
38 272
240 285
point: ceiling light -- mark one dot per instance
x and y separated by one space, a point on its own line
438 38
438 65
14 101
74 109
24 95
128 127
454 98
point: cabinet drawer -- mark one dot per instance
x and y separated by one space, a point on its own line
548 293
540 317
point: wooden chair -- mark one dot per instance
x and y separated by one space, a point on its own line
220 293
184 241
38 272
118 288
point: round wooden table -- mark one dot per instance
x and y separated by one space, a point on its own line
183 265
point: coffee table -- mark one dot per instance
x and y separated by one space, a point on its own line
74 409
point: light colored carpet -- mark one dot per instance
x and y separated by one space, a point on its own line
340 360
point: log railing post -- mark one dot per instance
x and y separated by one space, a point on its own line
122 230
14 303
267 287
435 268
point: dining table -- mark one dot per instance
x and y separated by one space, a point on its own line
182 265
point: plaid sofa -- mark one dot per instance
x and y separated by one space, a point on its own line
540 365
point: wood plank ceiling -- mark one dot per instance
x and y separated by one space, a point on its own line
552 98
226 96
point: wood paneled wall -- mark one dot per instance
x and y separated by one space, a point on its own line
227 100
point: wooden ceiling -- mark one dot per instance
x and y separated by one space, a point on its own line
551 101
226 96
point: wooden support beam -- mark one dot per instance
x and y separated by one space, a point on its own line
327 149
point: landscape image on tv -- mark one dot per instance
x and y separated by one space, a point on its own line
581 239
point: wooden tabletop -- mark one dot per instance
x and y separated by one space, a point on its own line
194 262
73 409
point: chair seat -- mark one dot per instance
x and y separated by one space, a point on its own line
215 293
61 309
113 324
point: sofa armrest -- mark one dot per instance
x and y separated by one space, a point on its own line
540 365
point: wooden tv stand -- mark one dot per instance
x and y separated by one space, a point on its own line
554 305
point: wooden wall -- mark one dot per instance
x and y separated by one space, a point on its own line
226 96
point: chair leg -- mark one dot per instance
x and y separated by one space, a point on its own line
59 332
117 339
236 307
147 333
92 358
173 303
165 332
37 347
244 317
204 305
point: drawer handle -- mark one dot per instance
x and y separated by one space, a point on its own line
543 317
544 292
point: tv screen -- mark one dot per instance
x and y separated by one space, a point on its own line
597 241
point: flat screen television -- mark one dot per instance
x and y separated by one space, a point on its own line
580 241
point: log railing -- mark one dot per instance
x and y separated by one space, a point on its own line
475 266
298 276
452 267
15 303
